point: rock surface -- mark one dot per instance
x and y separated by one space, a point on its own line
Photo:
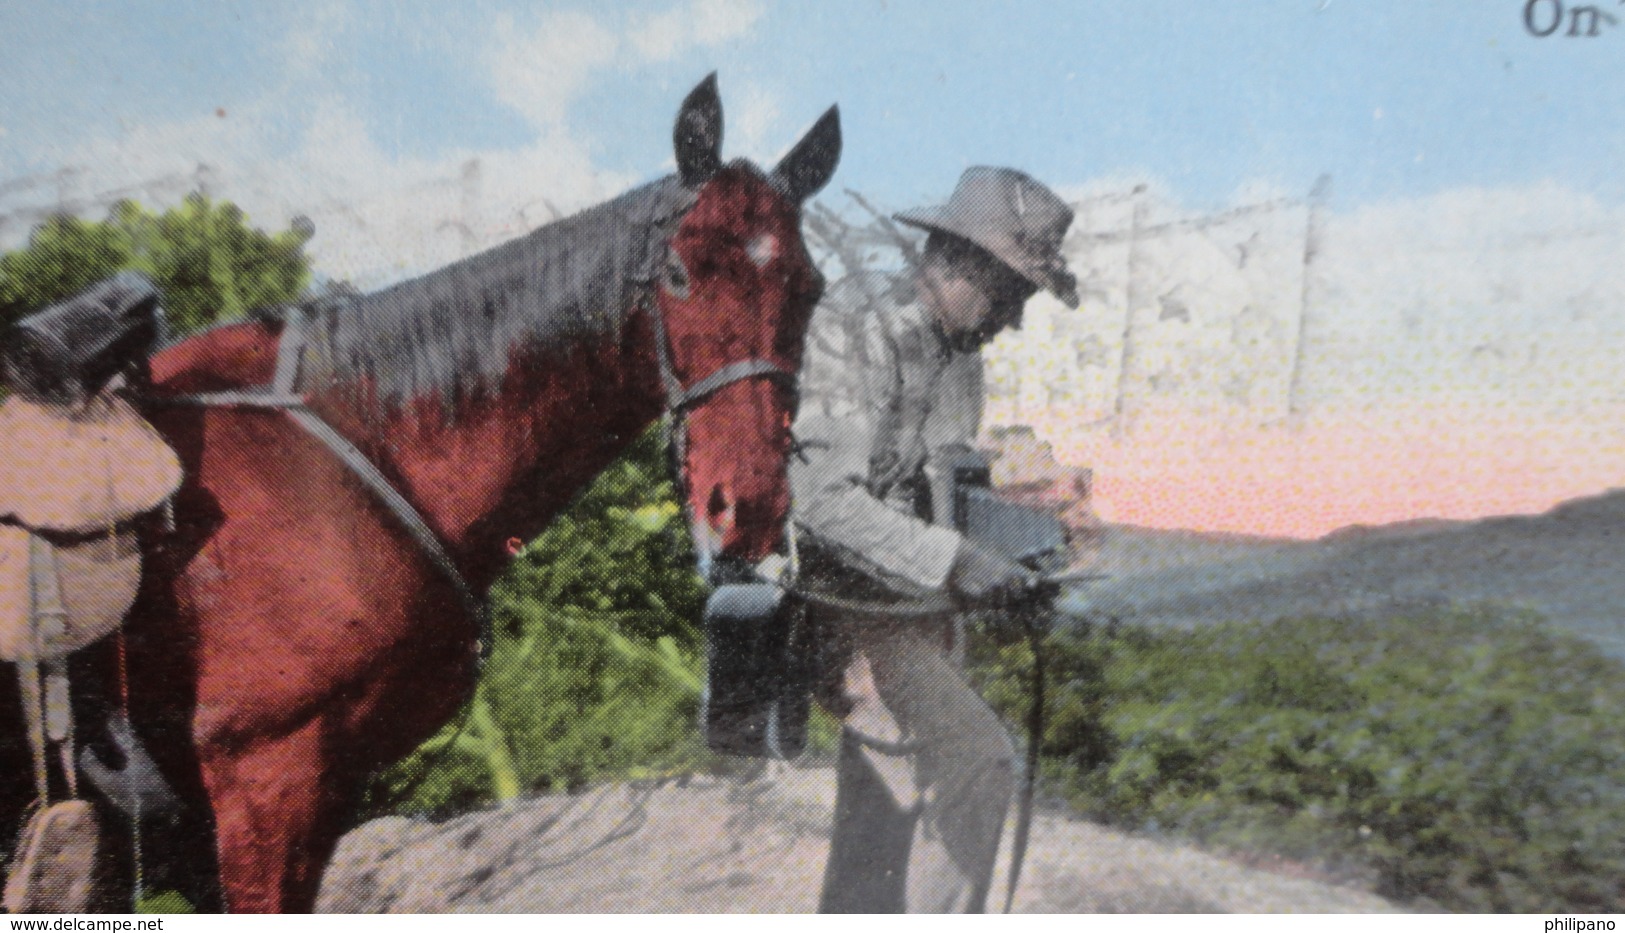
756 844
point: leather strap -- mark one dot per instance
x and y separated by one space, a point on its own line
410 518
668 372
33 698
281 397
727 375
290 352
50 618
248 399
59 718
43 682
680 399
1029 780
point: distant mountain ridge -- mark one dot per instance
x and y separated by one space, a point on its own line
1568 564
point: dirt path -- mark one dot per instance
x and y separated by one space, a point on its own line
731 845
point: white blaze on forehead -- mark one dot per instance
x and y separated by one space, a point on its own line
762 249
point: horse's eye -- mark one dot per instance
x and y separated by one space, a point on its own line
675 277
762 249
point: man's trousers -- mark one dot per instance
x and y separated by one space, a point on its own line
925 775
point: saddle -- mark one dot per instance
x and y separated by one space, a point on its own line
78 466
71 482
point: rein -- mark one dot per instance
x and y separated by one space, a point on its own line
1035 738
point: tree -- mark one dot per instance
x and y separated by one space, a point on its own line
209 264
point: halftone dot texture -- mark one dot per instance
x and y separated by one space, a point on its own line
753 844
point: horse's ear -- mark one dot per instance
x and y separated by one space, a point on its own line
698 135
811 162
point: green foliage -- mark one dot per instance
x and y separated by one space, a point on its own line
63 256
165 902
597 670
1470 757
203 255
597 667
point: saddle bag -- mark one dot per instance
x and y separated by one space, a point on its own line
78 464
67 353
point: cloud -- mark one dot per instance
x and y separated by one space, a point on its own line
1508 293
700 24
378 217
540 73
304 148
313 36
540 70
661 36
1461 359
717 21
1514 292
756 115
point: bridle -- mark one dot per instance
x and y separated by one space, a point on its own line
681 400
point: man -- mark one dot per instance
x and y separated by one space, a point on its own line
892 372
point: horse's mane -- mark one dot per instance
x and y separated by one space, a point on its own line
454 332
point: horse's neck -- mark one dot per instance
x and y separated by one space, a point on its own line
501 467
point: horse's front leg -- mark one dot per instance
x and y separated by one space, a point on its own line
276 802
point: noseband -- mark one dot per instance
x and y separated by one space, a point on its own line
681 399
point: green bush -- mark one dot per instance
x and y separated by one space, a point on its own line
1474 758
596 669
208 261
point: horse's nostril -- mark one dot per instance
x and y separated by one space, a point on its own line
718 503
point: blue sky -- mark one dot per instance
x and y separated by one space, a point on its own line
1474 255
1395 99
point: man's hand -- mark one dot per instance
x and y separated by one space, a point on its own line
989 579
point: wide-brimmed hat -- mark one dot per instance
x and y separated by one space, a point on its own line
1013 216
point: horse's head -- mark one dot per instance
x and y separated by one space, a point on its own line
736 293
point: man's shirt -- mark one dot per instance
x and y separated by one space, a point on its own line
880 389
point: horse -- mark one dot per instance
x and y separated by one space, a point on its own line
292 636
